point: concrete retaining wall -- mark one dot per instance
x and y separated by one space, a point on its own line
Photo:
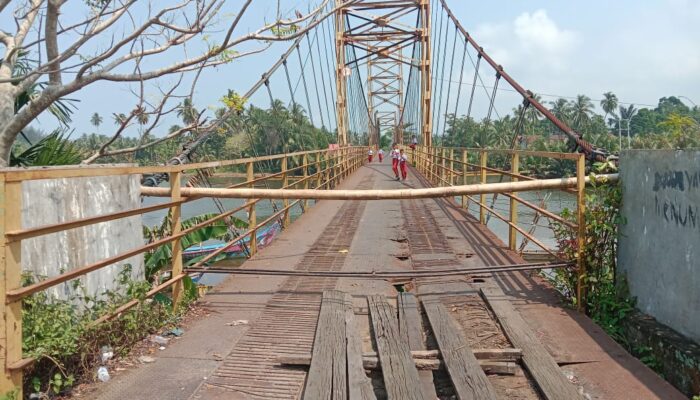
52 201
660 243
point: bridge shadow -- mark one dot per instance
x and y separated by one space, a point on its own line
528 288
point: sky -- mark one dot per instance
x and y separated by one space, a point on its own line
640 50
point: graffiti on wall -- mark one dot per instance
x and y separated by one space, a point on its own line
671 200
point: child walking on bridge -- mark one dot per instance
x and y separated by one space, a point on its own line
395 154
403 163
380 153
370 155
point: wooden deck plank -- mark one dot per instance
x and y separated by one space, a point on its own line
468 378
359 385
398 369
327 377
411 331
549 377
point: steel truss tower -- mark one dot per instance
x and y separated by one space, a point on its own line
382 33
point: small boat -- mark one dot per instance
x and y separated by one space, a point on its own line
263 236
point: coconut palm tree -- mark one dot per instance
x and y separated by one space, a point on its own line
561 108
187 112
96 120
581 111
609 104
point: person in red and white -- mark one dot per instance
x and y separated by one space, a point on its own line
403 164
395 154
370 155
380 154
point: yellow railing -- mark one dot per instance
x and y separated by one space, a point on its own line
449 166
329 168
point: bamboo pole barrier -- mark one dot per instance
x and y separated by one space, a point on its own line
542 184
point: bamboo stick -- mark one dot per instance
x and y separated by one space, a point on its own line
542 184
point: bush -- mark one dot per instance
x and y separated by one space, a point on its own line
607 299
62 337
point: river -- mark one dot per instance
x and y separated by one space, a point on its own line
556 201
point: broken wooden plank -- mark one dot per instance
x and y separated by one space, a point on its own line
512 355
422 364
411 331
549 377
467 377
398 369
498 354
409 321
359 385
327 377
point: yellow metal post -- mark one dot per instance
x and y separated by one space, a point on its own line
305 161
512 232
452 167
465 170
11 268
319 168
483 161
252 219
285 182
175 227
581 221
443 164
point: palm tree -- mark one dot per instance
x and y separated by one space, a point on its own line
119 118
96 120
609 104
187 112
582 109
561 109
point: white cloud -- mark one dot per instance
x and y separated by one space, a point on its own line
532 39
539 34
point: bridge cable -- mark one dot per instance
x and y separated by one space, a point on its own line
471 97
331 73
461 76
437 115
315 80
516 130
435 71
306 89
449 84
323 82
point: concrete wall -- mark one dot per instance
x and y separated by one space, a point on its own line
660 243
52 201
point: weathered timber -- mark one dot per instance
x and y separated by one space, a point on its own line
359 385
468 378
409 321
411 332
422 364
398 369
327 378
551 381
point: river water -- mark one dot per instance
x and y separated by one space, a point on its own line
555 201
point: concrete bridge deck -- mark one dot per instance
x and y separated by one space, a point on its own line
219 360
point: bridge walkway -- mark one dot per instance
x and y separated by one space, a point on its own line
221 358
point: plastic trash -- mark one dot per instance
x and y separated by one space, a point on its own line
106 353
238 322
159 340
103 374
175 332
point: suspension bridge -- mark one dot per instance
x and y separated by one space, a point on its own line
382 288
